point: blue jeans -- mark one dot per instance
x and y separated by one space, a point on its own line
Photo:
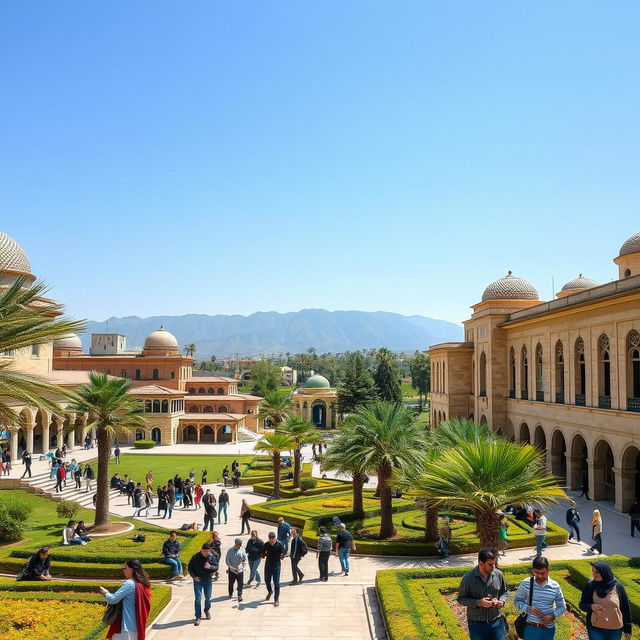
204 586
272 572
541 544
285 544
573 527
253 565
539 633
169 511
175 564
222 508
604 634
343 556
486 630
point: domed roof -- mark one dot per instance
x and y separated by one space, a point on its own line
68 341
579 283
317 382
161 339
510 288
632 245
12 255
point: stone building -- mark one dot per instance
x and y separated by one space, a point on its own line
317 402
563 375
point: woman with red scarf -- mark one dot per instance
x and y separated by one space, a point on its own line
135 596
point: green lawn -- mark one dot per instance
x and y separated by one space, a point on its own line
408 391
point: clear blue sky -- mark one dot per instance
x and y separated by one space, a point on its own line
229 157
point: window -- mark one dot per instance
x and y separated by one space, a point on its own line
173 375
210 391
539 374
512 373
192 390
9 353
222 409
123 373
220 391
165 406
604 373
633 371
207 409
35 350
155 374
201 390
147 406
156 406
137 374
581 373
627 273
559 372
524 374
483 374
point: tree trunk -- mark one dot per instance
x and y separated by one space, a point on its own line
488 531
102 482
386 514
431 524
297 467
358 504
276 475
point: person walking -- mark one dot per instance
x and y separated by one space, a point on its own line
607 605
161 494
254 549
344 546
284 531
236 479
298 551
245 514
116 454
198 492
171 499
38 567
138 498
596 531
584 486
26 460
77 476
483 591
88 477
273 552
541 598
237 563
503 535
573 520
171 555
149 479
135 596
204 477
323 551
210 513
634 515
223 506
61 474
540 531
444 537
225 475
216 547
202 566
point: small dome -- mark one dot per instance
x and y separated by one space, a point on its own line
161 339
12 255
510 288
579 283
317 382
68 341
632 245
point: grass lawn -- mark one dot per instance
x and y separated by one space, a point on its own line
420 604
408 391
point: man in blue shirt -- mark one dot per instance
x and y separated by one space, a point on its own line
284 532
547 602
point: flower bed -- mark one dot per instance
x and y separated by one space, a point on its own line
418 604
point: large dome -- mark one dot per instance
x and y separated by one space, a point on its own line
510 288
161 340
68 341
12 255
632 245
579 283
317 382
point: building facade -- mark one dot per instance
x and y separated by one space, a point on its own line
563 375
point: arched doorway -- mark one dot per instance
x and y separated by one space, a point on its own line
630 476
559 456
604 481
483 420
207 433
190 434
540 439
525 435
156 435
579 465
140 434
319 414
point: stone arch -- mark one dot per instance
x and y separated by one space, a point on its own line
141 434
604 481
579 462
210 391
630 476
580 368
223 409
559 456
207 409
319 413
483 420
194 409
189 433
156 435
525 434
207 433
41 432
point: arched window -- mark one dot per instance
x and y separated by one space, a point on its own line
156 406
581 374
444 377
147 406
559 372
155 375
194 409
222 409
483 374
512 373
604 372
210 391
539 374
173 375
156 435
137 374
201 390
220 391
633 371
524 374
35 350
165 406
207 409
140 434
192 390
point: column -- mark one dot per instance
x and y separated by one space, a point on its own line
215 434
574 472
625 488
198 427
596 480
45 436
59 433
29 429
15 434
235 433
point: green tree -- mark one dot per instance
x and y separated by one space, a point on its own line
28 319
274 444
265 378
387 378
420 369
357 388
190 349
276 408
385 437
303 432
113 408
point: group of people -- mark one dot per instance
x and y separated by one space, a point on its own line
235 474
5 461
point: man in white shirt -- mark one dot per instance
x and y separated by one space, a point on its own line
237 561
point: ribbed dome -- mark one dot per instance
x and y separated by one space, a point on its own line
68 341
510 288
632 245
12 255
579 283
161 339
317 382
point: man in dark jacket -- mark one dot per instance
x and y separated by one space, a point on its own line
634 514
201 567
297 551
209 503
38 566
573 519
273 551
171 555
254 549
26 460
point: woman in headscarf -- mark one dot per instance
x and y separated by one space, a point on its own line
596 528
607 605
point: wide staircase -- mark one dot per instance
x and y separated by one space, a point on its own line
246 435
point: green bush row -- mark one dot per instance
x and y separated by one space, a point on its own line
144 444
324 486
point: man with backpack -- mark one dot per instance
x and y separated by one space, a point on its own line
298 550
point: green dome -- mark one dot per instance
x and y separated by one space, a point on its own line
317 382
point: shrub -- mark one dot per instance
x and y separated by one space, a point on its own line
144 444
67 509
13 518
308 483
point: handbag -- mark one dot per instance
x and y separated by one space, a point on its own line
112 613
521 620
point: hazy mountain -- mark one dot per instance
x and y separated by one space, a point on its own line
271 332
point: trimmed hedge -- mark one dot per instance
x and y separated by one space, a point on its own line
260 470
414 606
144 444
287 490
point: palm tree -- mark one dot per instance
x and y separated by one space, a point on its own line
385 437
303 432
276 407
27 319
190 349
485 476
111 408
274 444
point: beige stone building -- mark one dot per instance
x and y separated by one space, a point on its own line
563 375
317 402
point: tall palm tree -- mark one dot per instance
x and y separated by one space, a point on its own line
274 444
26 319
276 407
485 476
111 408
303 432
385 437
190 349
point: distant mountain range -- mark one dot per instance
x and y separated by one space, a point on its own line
273 333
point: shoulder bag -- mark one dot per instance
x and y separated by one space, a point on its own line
112 613
521 620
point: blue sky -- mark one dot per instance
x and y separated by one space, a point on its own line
230 157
